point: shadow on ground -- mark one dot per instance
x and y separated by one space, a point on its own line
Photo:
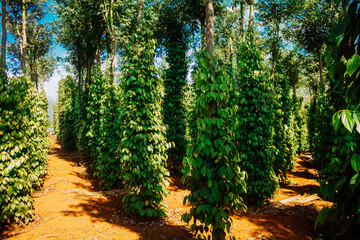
110 209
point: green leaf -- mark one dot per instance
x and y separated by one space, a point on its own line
356 116
336 120
354 182
355 162
353 64
203 171
186 170
207 221
321 217
347 120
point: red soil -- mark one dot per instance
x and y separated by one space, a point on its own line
70 207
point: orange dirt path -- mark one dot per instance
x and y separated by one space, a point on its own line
69 207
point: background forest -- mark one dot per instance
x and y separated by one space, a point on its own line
222 93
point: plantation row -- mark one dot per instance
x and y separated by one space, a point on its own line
24 145
239 150
240 133
231 132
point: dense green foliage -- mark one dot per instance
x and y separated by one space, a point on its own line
23 146
235 128
341 183
320 130
254 134
65 113
284 138
143 143
98 141
212 171
82 125
300 127
102 112
173 106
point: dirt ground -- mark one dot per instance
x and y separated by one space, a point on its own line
70 207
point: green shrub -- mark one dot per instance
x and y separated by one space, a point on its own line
23 147
340 182
212 171
143 144
342 165
82 125
173 107
92 111
320 130
337 154
65 113
301 128
102 111
189 102
255 131
284 138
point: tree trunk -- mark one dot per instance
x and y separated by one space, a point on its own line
88 76
109 19
97 58
140 9
209 24
273 67
203 33
321 72
113 48
98 50
113 43
4 34
275 55
79 85
315 96
242 20
294 91
251 18
23 41
42 80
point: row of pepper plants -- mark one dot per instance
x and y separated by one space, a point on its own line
24 144
122 130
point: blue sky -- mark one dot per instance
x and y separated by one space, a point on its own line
51 86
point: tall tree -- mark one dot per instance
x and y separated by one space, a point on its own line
39 46
274 15
23 39
143 142
109 9
209 24
312 30
3 34
291 67
242 20
45 67
211 170
251 16
174 21
139 12
80 31
22 15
